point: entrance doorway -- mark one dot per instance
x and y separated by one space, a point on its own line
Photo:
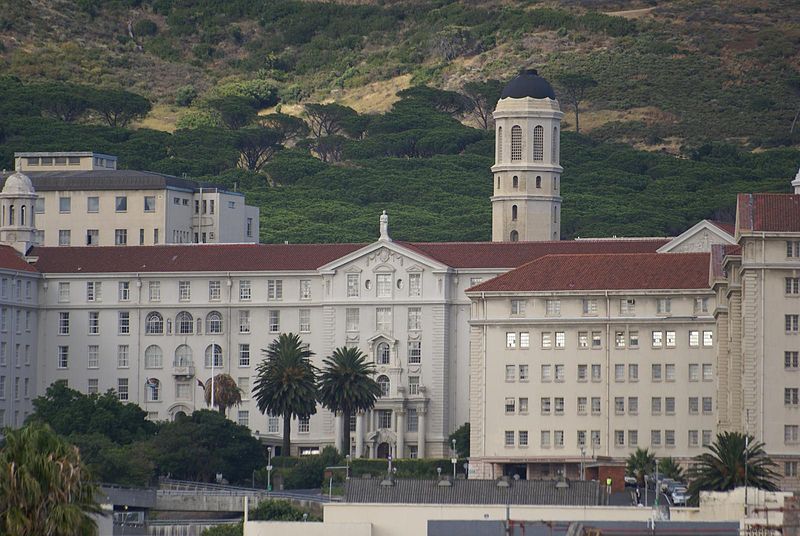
384 450
511 469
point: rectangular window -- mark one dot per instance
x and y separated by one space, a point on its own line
121 203
63 323
243 417
561 340
633 372
305 289
249 227
791 322
655 405
596 373
93 357
581 437
123 353
244 290
523 373
124 323
93 291
790 397
415 285
669 372
706 438
510 371
214 290
414 318
791 359
597 340
244 384
619 438
793 248
93 386
669 438
790 433
38 208
305 320
184 290
553 307
64 205
708 406
92 237
633 438
353 285
658 339
619 339
120 237
414 352
596 438
707 372
383 319
303 425
64 237
633 405
583 373
694 339
583 339
244 355
383 285
244 321
141 237
694 405
94 323
619 373
523 438
558 404
518 307
790 469
544 438
274 289
558 439
670 339
581 405
124 291
412 424
708 337
413 385
619 405
63 357
274 321
546 373
590 307
655 438
509 438
595 405
63 292
547 340
273 425
694 372
149 203
627 307
545 405
694 438
523 405
655 373
663 306
669 405
351 319
122 389
511 405
154 291
700 306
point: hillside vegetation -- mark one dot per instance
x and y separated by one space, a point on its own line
708 89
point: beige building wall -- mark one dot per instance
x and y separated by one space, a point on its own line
657 394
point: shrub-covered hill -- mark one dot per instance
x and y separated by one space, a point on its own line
328 183
669 73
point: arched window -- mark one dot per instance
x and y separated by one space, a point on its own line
516 143
383 354
214 356
499 145
513 212
538 143
554 147
214 322
515 182
184 323
383 382
538 182
183 356
153 357
154 324
514 236
11 215
22 215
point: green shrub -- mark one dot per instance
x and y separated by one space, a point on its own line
225 530
278 510
145 27
185 95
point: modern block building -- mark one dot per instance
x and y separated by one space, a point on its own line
83 199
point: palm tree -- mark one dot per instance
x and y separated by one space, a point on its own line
734 460
287 383
45 489
640 463
346 386
669 468
226 392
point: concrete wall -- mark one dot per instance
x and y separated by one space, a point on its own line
286 528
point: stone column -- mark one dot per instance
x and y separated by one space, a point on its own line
360 434
421 413
337 433
401 429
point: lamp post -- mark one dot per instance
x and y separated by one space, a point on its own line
347 464
583 462
454 459
269 468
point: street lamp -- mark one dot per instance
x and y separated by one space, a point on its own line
269 468
347 465
454 459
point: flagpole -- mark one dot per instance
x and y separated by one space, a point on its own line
213 355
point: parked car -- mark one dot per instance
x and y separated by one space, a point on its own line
664 484
630 481
679 496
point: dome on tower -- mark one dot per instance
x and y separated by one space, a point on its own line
18 183
528 84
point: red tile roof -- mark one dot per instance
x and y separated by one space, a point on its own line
10 259
768 212
729 228
189 258
278 257
646 271
513 254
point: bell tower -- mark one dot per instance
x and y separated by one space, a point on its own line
17 225
526 205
